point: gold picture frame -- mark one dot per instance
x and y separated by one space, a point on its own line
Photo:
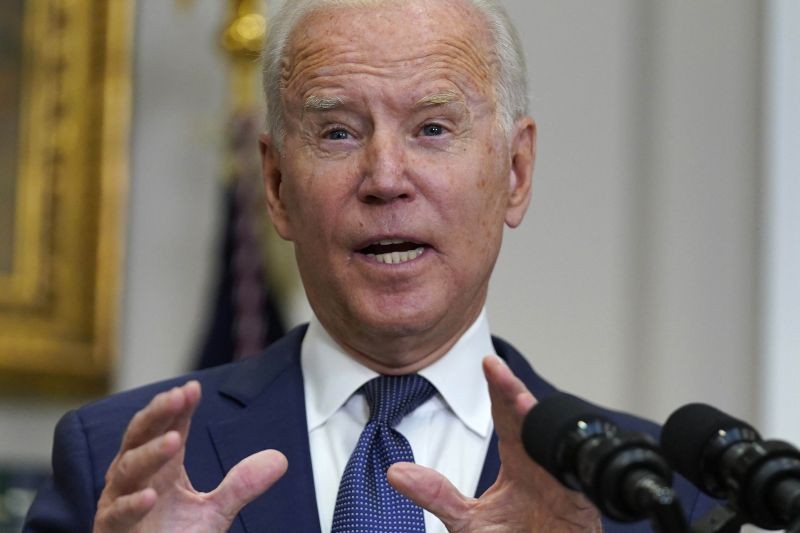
60 278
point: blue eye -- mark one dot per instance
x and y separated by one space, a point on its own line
337 135
432 130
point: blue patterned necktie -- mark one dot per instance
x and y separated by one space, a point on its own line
366 503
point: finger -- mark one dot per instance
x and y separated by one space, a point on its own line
132 470
432 491
250 478
163 412
192 393
505 386
511 399
125 511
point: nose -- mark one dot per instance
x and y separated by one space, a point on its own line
385 175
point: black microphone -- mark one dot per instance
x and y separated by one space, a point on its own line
726 458
624 474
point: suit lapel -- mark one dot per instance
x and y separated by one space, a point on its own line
270 390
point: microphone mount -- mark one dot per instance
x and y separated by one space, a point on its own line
624 474
728 459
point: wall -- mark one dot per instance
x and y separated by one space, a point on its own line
781 219
180 108
634 278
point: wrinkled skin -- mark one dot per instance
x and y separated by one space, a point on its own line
406 145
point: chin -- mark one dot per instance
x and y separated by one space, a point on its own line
395 320
397 324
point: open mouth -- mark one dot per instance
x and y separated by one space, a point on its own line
393 251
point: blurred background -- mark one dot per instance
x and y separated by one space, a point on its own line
659 262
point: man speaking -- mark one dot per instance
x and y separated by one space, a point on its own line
397 149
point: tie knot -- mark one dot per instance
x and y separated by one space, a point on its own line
390 398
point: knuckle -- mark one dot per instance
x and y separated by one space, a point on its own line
122 469
136 421
104 521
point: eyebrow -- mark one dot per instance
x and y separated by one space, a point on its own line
325 103
442 98
322 103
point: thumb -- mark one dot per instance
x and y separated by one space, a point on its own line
250 478
432 491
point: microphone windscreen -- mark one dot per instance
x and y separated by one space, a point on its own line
687 433
547 423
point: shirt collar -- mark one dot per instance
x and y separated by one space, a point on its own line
331 376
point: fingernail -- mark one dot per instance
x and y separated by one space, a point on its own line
398 472
526 401
494 360
169 439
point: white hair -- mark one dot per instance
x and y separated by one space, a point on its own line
510 84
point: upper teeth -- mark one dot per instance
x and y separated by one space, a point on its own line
391 241
393 258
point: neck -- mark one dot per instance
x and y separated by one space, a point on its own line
405 354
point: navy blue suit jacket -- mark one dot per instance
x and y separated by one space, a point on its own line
246 407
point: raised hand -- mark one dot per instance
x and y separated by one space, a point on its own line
147 488
525 498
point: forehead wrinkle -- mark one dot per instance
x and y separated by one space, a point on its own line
460 73
306 58
465 55
316 58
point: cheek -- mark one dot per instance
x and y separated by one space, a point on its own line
318 197
491 194
477 194
474 219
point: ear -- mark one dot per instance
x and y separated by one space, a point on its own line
523 155
273 185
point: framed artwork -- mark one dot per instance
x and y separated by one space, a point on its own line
64 125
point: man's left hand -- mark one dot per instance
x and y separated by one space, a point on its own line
525 498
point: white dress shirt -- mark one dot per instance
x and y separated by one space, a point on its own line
449 433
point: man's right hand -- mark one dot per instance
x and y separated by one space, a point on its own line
147 488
